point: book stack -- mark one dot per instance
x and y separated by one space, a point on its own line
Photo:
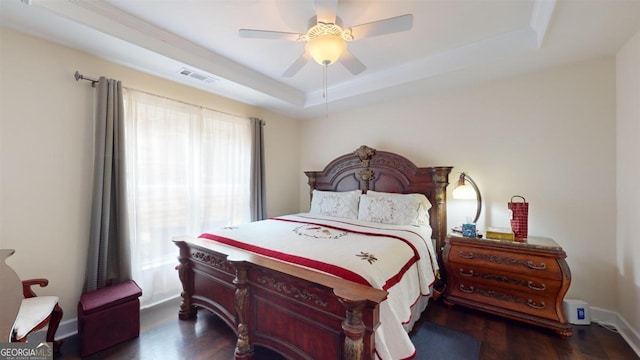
500 233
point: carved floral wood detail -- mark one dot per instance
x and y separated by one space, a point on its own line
344 165
216 262
244 348
354 329
504 297
531 284
291 290
503 260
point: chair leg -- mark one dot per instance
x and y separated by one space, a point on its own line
54 322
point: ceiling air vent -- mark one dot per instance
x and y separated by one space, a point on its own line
198 76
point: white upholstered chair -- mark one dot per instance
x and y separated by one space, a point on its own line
22 311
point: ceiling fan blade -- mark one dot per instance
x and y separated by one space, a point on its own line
351 62
326 10
381 27
264 34
297 65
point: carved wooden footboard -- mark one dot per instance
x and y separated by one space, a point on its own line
299 313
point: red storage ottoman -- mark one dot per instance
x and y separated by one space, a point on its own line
108 316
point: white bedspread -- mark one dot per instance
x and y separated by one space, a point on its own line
395 258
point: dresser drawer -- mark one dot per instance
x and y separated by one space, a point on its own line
506 280
510 262
543 305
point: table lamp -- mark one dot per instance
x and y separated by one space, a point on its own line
467 189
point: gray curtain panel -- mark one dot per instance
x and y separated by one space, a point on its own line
108 261
258 208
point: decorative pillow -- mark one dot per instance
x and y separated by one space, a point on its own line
337 204
396 209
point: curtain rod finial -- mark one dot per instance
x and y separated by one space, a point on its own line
79 76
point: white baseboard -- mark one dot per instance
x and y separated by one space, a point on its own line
66 329
608 317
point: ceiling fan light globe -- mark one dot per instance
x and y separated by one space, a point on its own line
326 49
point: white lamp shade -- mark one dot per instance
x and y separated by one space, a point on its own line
326 49
464 192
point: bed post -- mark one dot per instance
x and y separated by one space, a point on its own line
244 348
185 272
354 329
440 178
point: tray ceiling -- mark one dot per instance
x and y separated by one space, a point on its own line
450 43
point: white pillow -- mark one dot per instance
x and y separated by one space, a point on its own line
396 209
337 204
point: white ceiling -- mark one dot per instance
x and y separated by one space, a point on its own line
452 42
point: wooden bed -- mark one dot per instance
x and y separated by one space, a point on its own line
301 313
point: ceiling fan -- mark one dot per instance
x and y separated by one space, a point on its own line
326 39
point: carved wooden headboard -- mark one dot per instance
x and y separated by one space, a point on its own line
369 169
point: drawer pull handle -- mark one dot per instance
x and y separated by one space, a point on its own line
531 265
466 273
468 290
466 255
533 304
533 286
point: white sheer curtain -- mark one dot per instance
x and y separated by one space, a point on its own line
188 170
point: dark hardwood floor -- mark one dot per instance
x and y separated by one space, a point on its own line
508 339
165 337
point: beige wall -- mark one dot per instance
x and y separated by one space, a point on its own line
46 160
549 136
628 168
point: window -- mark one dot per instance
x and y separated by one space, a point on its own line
188 170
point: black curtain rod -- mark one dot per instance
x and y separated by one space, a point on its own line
79 76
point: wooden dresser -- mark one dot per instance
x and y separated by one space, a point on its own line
522 280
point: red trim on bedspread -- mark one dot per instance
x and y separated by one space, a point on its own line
368 226
394 279
413 248
314 264
319 265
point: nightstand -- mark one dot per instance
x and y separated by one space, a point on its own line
522 280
